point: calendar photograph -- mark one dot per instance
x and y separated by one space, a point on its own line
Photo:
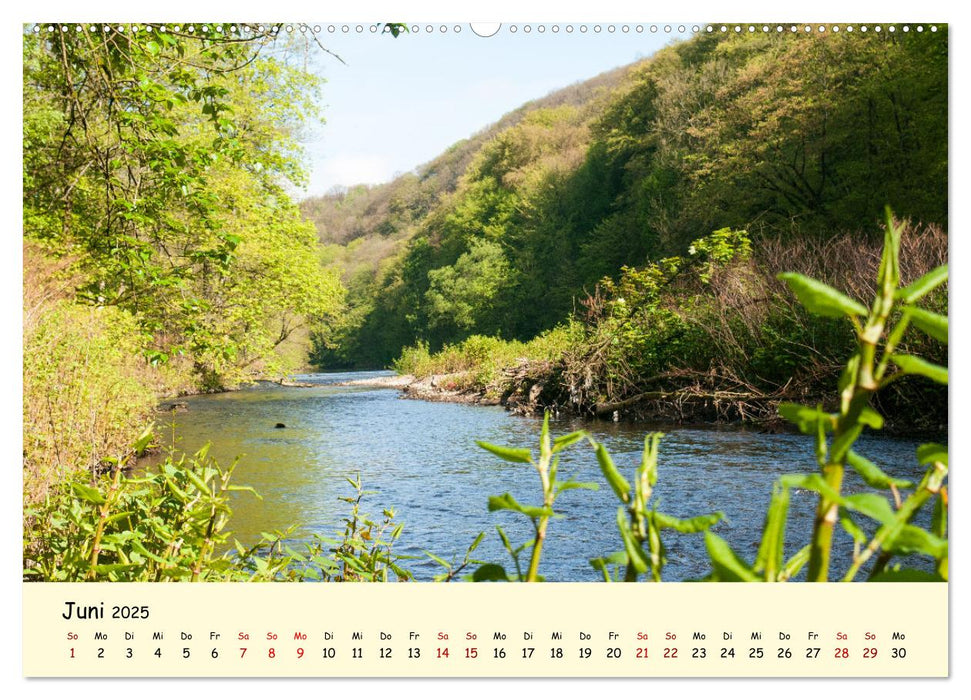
450 304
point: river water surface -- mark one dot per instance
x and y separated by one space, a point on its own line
421 459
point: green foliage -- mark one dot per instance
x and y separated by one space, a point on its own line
159 160
547 468
480 363
462 295
364 553
638 520
164 526
869 370
793 139
84 390
170 524
722 247
451 570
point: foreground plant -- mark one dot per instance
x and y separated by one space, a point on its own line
171 525
365 552
163 526
876 364
547 468
638 520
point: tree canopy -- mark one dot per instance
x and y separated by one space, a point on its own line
787 136
162 159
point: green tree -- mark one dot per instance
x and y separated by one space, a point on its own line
160 159
463 295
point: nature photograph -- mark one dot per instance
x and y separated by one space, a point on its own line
524 302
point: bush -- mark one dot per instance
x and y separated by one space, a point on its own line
170 524
483 360
85 392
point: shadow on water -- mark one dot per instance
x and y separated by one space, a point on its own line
421 459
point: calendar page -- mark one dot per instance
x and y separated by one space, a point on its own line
620 346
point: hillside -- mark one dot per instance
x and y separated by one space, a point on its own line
362 226
790 139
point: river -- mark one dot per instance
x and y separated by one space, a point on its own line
421 459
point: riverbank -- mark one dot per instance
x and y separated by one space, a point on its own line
530 389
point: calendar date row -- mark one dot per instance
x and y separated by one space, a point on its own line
494 653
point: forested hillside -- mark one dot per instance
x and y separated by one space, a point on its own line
789 137
634 226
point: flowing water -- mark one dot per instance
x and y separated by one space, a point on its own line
421 459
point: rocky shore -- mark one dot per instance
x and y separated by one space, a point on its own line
531 392
450 388
458 387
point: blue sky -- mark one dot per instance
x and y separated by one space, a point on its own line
400 102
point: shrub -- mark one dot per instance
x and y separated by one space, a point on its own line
171 524
85 391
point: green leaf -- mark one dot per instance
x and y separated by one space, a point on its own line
806 418
810 482
906 575
113 568
544 435
615 559
143 441
725 563
490 572
140 548
564 441
507 502
88 493
118 516
932 324
772 548
889 272
402 574
617 482
687 525
915 540
872 474
510 454
475 543
931 453
571 485
852 529
176 490
203 452
250 489
795 564
438 560
649 457
909 364
926 284
872 506
600 564
870 417
842 444
198 482
821 299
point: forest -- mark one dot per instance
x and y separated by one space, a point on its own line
703 236
623 233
